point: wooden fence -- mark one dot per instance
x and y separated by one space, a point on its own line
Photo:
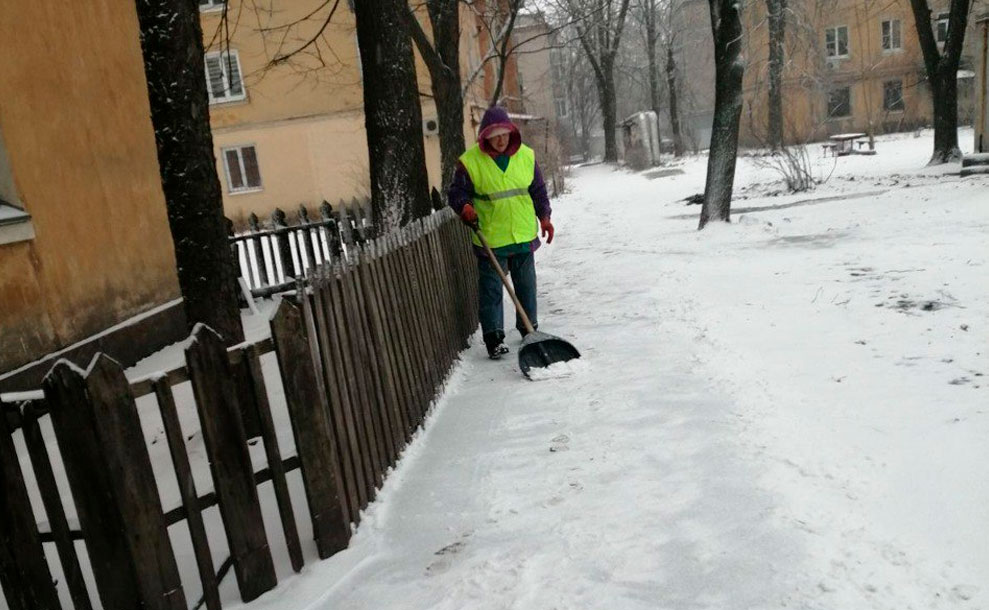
362 350
271 258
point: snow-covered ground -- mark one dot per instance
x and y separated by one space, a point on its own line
788 411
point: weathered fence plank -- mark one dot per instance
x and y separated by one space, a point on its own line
281 240
355 405
187 491
102 444
24 574
391 337
362 368
415 315
270 438
431 290
245 397
379 350
51 499
305 236
258 245
309 411
230 462
343 424
400 306
443 268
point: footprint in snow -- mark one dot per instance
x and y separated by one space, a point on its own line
560 443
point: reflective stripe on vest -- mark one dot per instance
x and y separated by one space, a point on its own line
501 198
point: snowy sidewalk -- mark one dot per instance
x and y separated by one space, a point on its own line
620 487
785 412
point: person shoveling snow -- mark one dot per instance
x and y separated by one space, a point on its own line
498 190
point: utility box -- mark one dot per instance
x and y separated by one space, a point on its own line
640 140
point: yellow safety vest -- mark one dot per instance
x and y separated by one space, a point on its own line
501 198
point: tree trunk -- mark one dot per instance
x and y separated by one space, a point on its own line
450 113
172 43
945 93
942 74
448 93
442 59
777 34
726 26
609 110
650 19
392 114
671 82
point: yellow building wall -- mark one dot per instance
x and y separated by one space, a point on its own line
305 116
76 124
307 161
808 76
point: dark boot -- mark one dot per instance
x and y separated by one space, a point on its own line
495 342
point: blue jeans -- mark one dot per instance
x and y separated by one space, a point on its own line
522 268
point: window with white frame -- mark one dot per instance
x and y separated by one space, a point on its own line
893 96
892 39
223 77
836 41
241 165
941 27
211 5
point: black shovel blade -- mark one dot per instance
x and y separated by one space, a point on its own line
540 350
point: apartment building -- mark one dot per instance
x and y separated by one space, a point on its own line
286 103
850 65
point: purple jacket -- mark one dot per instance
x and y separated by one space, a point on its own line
461 190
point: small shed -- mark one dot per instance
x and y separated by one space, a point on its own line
640 140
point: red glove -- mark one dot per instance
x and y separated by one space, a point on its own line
468 214
547 226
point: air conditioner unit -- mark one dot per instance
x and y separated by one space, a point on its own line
430 127
833 64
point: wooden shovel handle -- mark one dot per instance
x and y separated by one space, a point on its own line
504 279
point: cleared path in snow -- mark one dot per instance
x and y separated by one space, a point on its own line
619 487
748 428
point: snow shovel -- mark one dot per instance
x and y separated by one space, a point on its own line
539 350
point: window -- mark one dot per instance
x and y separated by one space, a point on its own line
223 77
840 103
893 96
561 107
836 41
241 164
556 65
942 27
891 35
211 5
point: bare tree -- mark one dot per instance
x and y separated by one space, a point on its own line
442 58
581 94
599 25
726 27
942 71
673 87
649 17
777 34
393 115
172 43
